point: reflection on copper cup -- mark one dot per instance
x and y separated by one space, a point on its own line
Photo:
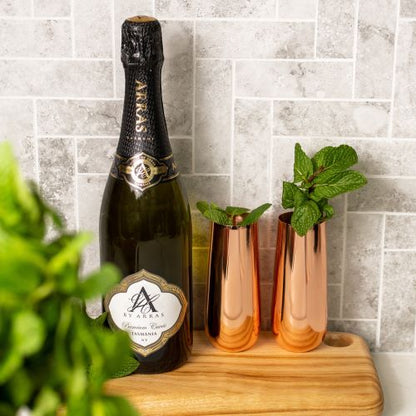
299 314
232 308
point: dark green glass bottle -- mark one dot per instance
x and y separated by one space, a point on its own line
145 226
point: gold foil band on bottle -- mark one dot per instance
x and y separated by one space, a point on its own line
143 171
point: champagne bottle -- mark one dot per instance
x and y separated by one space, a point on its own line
145 226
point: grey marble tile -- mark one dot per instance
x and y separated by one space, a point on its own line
266 263
362 266
380 194
201 230
207 188
253 39
79 117
15 8
267 226
400 232
215 8
57 176
213 116
297 9
182 150
335 28
365 329
52 8
16 126
294 79
35 38
177 76
198 305
334 301
318 118
95 155
92 23
200 265
376 32
335 240
404 110
398 311
252 138
266 295
56 78
408 8
90 192
122 10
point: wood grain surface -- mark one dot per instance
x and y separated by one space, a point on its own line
337 379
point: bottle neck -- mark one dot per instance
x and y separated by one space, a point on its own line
143 128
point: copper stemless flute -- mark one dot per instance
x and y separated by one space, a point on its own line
299 315
232 311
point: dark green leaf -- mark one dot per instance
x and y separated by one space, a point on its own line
340 183
303 167
28 332
292 195
126 366
233 211
100 320
328 211
335 158
214 213
305 217
20 387
46 403
9 363
254 215
99 282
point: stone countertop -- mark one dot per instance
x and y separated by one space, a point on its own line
397 372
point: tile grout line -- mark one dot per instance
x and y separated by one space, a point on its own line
36 141
154 7
315 50
344 256
383 212
295 60
233 100
72 28
355 46
193 94
33 17
54 58
314 99
76 202
32 8
113 41
276 12
355 319
380 289
270 172
393 78
399 250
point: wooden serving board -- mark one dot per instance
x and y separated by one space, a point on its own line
336 379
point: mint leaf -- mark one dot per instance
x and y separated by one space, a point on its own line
305 216
99 282
254 215
292 196
126 366
303 167
28 332
214 213
340 183
329 212
233 211
335 158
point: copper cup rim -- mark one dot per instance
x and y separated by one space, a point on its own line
285 217
233 227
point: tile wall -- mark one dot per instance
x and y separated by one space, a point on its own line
243 81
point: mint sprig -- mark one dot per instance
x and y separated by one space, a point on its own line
231 216
316 180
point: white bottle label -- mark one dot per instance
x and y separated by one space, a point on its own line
148 308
